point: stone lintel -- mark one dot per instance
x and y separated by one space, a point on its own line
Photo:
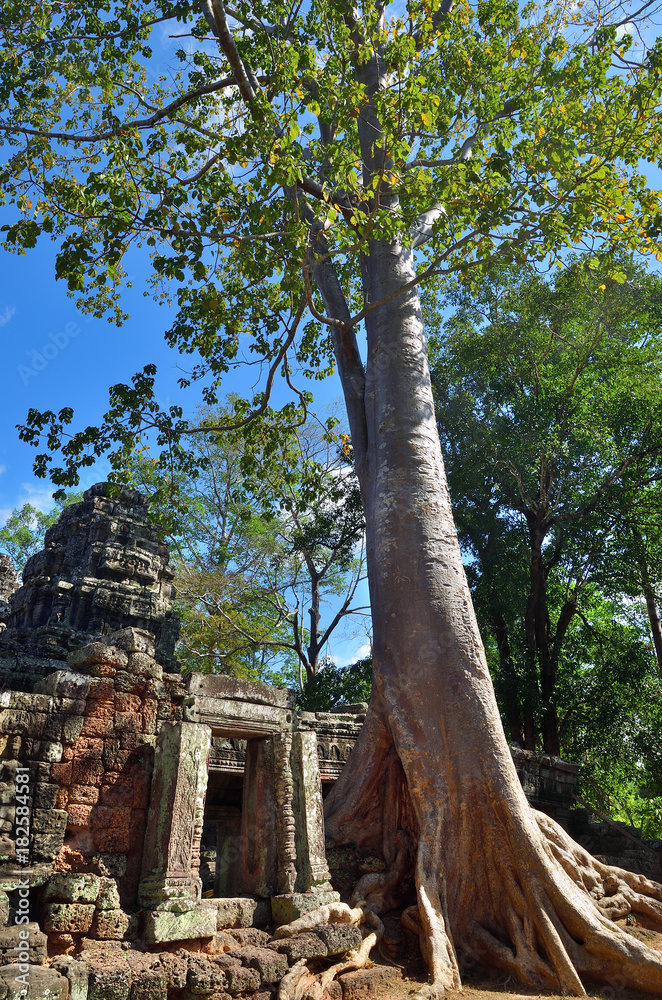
242 719
255 692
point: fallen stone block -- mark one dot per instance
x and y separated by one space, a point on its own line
36 941
340 937
292 905
300 946
37 982
239 979
249 935
162 925
149 984
205 976
76 973
271 965
366 983
110 978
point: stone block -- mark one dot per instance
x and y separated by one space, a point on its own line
243 936
110 925
68 918
45 795
339 938
109 865
149 984
291 905
9 940
119 794
38 983
300 946
76 973
175 968
71 888
85 795
162 926
88 658
236 911
111 829
79 815
365 983
240 979
4 909
64 684
144 665
72 726
271 965
109 897
110 978
205 976
333 991
133 640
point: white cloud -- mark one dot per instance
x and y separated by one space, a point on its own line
7 315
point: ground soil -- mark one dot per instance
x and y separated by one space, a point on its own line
485 984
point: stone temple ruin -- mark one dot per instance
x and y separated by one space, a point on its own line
160 821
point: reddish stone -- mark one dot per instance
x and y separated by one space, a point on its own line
111 829
127 703
88 747
97 726
79 815
61 944
120 793
68 918
68 753
100 689
62 798
61 773
142 784
128 722
150 710
87 795
87 771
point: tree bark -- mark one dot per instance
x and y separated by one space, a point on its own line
431 782
649 594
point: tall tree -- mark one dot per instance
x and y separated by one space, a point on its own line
328 159
550 409
268 547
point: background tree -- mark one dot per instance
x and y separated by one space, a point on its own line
326 160
23 532
550 412
268 548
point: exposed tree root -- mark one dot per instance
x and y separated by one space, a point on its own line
302 982
496 881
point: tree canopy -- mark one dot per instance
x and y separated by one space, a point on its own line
550 411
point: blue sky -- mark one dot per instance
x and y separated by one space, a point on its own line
54 356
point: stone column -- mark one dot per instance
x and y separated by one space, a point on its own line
299 800
170 883
308 807
258 864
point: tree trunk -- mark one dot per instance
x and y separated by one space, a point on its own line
649 594
510 685
431 782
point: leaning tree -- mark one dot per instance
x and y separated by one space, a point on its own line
297 171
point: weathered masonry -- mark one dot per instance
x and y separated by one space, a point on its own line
162 810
